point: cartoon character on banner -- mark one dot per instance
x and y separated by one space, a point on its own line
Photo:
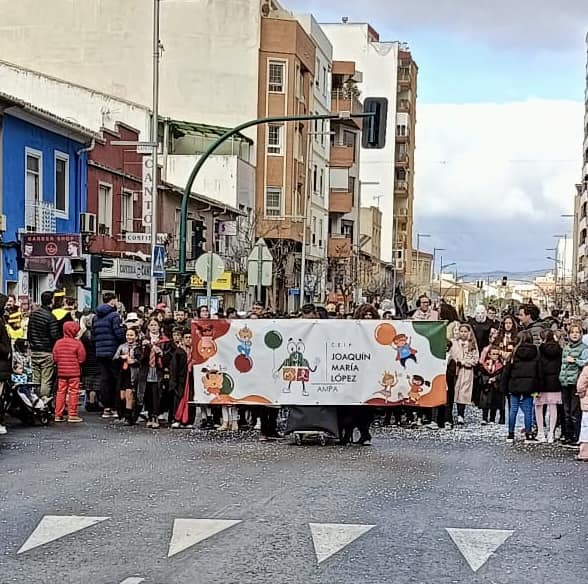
296 368
388 382
217 383
243 361
417 388
204 339
404 351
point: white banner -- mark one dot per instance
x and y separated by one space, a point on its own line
147 208
323 362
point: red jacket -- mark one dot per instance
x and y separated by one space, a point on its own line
69 352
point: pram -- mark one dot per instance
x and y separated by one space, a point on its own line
318 423
22 403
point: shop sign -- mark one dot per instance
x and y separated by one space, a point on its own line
51 245
224 282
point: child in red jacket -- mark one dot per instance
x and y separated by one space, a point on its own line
68 354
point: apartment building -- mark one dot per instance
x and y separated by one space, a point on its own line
580 260
318 180
403 217
344 197
287 61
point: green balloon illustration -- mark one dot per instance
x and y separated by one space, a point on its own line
228 385
273 340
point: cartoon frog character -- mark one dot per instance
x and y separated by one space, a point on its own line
296 367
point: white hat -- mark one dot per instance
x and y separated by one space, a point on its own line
132 317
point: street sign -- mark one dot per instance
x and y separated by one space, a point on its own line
147 200
209 267
294 292
158 262
260 265
142 237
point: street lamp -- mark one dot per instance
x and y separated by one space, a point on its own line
442 266
435 250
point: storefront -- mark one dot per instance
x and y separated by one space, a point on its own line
229 290
129 280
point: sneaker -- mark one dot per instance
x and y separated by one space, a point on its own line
262 438
550 438
572 446
432 426
149 424
484 423
60 418
3 430
419 422
366 443
176 425
529 438
448 426
108 414
541 438
460 421
510 437
257 425
74 419
155 423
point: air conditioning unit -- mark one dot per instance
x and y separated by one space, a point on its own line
87 222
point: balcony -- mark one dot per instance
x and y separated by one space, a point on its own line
402 136
40 217
343 100
403 105
401 158
404 77
401 187
342 156
339 247
340 202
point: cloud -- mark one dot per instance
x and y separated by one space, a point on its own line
534 24
492 180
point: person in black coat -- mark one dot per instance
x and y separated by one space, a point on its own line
522 378
5 359
549 398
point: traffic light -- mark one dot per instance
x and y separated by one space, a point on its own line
504 280
78 271
198 238
373 134
97 262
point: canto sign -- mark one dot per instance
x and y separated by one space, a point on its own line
147 210
141 237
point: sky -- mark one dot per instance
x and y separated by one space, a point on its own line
500 117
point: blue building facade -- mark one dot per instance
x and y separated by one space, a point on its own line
44 175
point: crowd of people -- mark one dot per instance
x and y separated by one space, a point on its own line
135 367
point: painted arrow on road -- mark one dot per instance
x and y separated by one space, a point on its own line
330 538
477 545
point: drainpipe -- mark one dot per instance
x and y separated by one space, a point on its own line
83 181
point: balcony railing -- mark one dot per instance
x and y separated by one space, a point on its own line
342 155
403 105
339 246
400 186
40 217
340 202
401 156
343 100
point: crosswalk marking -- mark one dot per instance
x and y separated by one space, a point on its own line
477 545
330 538
189 532
53 527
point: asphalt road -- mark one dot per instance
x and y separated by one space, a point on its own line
402 495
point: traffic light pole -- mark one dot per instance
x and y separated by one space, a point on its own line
228 134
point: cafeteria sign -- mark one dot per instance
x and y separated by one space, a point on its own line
51 245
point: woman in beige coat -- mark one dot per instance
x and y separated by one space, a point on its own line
583 393
464 352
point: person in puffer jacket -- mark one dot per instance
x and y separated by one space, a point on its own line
573 359
68 354
108 334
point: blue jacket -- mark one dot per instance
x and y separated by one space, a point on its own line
107 330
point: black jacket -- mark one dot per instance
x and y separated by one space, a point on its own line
482 331
550 354
178 371
522 375
43 330
90 366
5 345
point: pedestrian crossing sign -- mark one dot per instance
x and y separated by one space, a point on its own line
158 263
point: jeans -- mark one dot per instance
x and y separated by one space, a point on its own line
572 413
43 368
67 387
525 402
109 371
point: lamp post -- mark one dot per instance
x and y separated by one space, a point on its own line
442 266
435 250
419 235
555 260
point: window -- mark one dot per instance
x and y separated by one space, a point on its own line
274 139
401 130
348 138
325 81
320 233
273 201
322 183
317 80
104 209
400 173
61 184
314 231
351 184
314 178
275 77
126 211
33 185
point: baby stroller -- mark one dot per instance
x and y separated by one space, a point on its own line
23 403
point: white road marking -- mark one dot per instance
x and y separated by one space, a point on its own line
133 580
188 532
53 527
477 545
329 538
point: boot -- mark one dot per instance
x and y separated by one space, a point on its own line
129 417
235 426
223 427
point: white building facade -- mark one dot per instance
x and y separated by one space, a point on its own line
378 61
